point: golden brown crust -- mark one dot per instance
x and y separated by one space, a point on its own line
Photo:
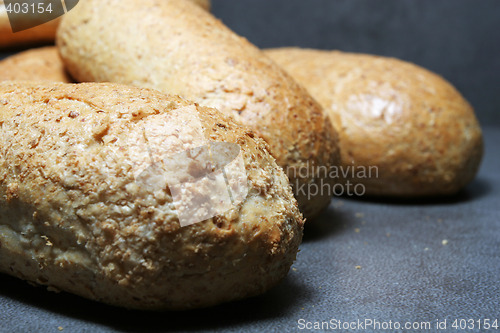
73 217
175 47
412 124
42 64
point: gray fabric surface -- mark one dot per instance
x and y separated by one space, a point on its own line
406 273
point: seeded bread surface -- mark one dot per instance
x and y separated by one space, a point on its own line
175 47
73 216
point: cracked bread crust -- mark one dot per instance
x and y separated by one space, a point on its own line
409 122
72 216
175 47
41 64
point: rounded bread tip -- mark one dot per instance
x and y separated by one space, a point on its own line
410 123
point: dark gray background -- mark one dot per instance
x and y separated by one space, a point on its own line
459 39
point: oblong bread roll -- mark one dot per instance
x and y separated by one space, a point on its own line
92 202
403 130
175 47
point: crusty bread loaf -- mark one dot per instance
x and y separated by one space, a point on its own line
175 47
411 124
42 34
42 64
75 215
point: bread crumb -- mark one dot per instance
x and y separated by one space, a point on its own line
358 267
359 215
426 249
357 230
294 269
444 242
388 234
47 241
338 204
60 328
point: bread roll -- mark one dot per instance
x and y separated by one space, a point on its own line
409 123
85 209
42 34
42 64
175 47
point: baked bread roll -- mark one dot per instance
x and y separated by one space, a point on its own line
42 64
175 47
409 123
84 206
42 34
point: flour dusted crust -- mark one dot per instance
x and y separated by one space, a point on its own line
175 47
73 217
409 122
41 64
